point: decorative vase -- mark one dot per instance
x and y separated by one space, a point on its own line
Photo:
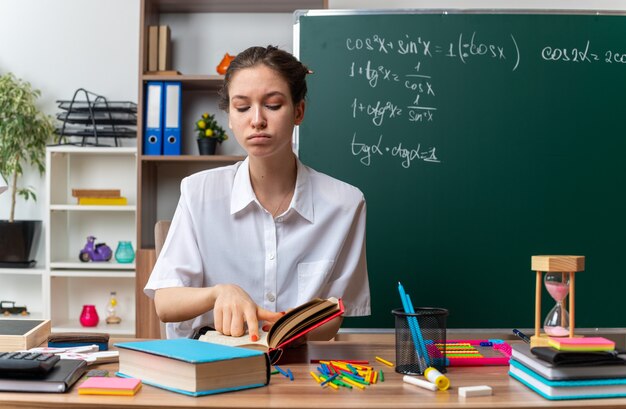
124 252
89 316
207 146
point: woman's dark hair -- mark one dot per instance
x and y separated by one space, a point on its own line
285 64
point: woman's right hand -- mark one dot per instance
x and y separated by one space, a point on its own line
234 310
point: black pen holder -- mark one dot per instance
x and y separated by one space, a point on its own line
420 340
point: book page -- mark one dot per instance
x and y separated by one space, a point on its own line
301 318
216 337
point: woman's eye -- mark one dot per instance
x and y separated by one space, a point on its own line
242 109
274 107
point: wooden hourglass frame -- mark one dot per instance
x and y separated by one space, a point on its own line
554 264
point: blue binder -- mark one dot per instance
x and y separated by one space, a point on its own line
171 133
153 134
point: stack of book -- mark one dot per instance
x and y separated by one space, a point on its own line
106 197
561 374
159 59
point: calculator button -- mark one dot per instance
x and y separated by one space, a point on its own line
45 357
32 356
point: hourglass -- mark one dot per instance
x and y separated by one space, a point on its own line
559 281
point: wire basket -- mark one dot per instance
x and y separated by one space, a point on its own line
420 340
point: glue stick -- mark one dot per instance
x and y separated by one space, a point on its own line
437 378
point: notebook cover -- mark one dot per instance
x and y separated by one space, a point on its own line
577 358
189 350
65 373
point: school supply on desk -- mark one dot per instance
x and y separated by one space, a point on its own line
60 378
193 367
26 363
542 361
571 358
88 353
436 377
568 389
589 344
77 339
472 352
473 391
291 326
521 335
416 333
21 334
338 374
419 382
109 386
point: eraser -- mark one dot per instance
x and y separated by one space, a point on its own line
470 391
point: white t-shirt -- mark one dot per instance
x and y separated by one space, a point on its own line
221 234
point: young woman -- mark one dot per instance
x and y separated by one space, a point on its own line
257 238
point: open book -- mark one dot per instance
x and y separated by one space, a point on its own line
291 326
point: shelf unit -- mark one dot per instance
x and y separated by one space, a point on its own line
68 283
154 172
25 287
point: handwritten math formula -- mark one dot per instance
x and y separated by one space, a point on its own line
397 79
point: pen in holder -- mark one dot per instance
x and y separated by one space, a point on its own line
411 359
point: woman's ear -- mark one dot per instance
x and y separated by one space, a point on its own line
299 113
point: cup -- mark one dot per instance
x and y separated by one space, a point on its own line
420 340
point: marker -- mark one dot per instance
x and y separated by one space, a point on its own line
523 336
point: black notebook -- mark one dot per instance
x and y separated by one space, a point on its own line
59 379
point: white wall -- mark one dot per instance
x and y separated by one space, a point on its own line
62 45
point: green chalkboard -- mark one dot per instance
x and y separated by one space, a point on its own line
478 140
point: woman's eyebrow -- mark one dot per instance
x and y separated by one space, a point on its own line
268 95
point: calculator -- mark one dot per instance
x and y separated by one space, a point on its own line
26 363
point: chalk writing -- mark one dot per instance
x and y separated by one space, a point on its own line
366 152
462 48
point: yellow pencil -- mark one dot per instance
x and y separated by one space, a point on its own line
384 361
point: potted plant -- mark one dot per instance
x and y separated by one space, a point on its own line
24 132
209 134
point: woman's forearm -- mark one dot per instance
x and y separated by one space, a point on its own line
177 304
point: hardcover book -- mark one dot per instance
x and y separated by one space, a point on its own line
193 367
293 325
568 389
522 354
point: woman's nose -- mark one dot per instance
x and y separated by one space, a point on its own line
258 120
